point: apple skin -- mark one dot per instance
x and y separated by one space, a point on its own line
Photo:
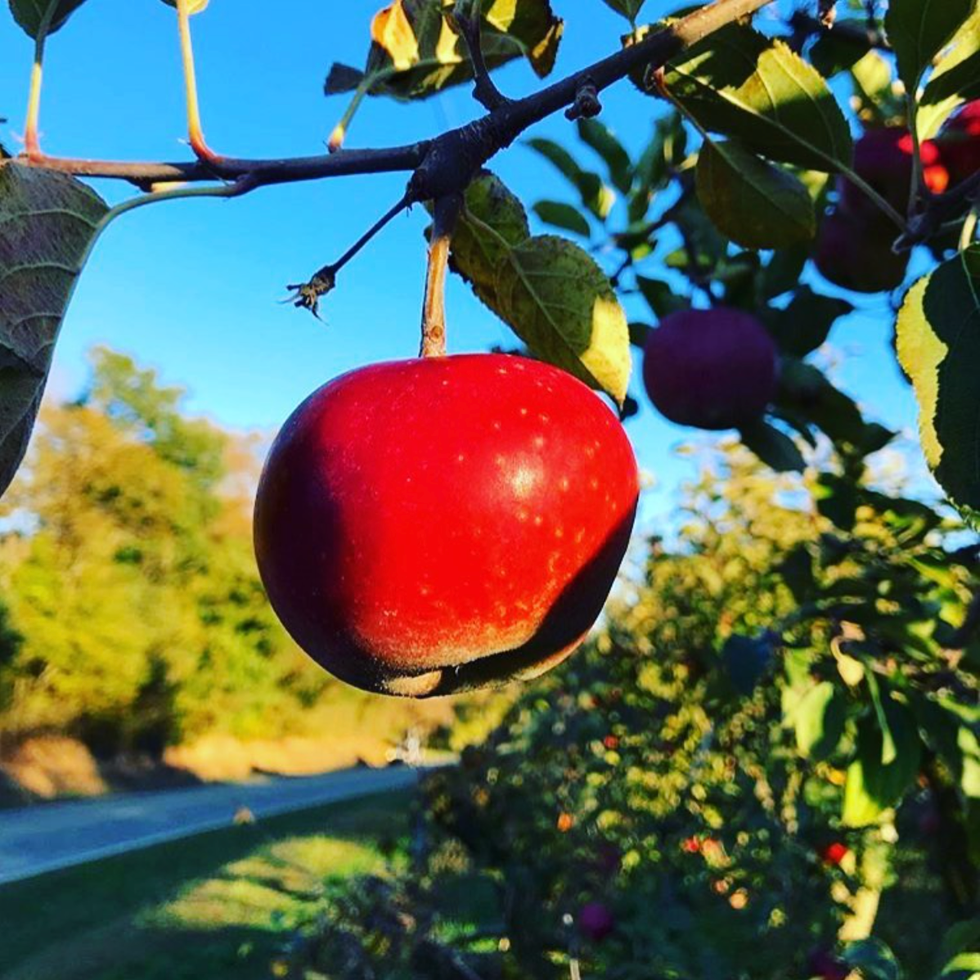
596 921
883 158
712 369
856 254
429 526
959 142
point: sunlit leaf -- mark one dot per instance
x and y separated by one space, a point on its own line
47 223
752 202
755 89
30 13
939 347
415 51
954 80
819 721
919 29
560 303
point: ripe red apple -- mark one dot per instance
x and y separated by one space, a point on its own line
959 142
857 254
834 853
596 921
713 369
428 526
883 158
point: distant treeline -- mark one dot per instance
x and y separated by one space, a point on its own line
131 611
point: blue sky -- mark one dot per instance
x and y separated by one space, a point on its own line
192 287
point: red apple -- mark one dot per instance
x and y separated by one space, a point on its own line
959 142
713 369
883 158
596 921
428 526
834 853
857 254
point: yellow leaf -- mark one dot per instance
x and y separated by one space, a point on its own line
392 31
920 352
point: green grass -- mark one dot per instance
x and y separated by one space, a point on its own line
217 905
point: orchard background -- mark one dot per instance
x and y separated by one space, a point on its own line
764 762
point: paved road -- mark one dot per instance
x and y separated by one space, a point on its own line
37 839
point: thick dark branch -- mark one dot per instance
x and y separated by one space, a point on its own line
445 165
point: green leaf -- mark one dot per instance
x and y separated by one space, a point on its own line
805 324
660 297
873 959
595 195
594 134
804 390
563 216
774 448
939 348
492 223
954 80
751 201
755 89
871 786
628 8
415 51
819 721
560 303
30 13
797 572
963 966
919 29
47 224
837 50
874 89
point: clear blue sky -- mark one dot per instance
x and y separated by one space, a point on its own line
191 287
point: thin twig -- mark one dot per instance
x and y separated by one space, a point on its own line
195 131
467 21
307 295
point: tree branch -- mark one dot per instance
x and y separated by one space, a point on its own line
442 166
485 90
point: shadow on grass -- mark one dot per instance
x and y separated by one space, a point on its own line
223 899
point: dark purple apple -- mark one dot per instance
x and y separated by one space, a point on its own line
713 369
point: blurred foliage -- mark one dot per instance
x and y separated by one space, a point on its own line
712 771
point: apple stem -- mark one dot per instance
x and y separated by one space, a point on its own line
195 131
445 215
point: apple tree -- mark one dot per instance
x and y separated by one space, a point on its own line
723 781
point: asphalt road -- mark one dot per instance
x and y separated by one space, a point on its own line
34 840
